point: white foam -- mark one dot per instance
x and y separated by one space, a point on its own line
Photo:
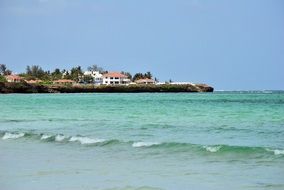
12 135
276 151
212 148
44 137
85 140
59 138
144 144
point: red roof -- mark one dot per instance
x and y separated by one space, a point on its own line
13 77
115 74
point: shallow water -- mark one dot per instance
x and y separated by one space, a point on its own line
142 141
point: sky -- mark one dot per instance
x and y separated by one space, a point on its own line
230 45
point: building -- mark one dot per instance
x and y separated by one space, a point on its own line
33 81
13 78
63 81
182 83
145 81
96 75
115 78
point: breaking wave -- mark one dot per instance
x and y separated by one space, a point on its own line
166 146
59 138
85 140
8 135
144 144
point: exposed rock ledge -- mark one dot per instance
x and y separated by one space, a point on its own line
37 88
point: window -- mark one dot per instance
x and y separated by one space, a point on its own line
116 82
116 78
111 82
111 77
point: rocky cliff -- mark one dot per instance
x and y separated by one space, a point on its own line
37 88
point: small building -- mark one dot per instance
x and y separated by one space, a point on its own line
145 81
13 78
96 75
33 81
115 78
63 81
182 83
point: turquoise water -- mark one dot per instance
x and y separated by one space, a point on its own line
221 140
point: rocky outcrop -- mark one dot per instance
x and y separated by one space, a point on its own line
37 88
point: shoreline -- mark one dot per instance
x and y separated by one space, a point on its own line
7 88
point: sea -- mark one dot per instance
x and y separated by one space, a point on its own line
142 141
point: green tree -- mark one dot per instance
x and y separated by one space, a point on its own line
35 71
88 79
148 75
128 74
66 75
95 68
56 74
138 76
4 70
76 73
2 78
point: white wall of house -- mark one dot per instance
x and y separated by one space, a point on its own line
97 76
112 80
115 80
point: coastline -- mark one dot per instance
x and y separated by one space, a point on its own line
22 87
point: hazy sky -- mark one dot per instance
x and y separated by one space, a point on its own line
225 43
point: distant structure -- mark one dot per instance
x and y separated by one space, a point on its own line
13 78
181 83
115 78
33 81
145 81
96 75
63 81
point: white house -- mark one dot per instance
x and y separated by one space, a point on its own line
96 75
115 78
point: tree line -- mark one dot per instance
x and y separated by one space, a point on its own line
35 72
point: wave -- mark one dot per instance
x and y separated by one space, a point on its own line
276 151
212 148
166 146
8 135
43 137
144 144
85 140
59 138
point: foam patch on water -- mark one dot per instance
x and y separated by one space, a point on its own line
12 135
44 137
59 138
86 140
212 148
144 144
276 151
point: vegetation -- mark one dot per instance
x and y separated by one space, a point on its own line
2 78
127 74
4 70
138 76
35 72
96 68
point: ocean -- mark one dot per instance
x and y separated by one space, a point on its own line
143 141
